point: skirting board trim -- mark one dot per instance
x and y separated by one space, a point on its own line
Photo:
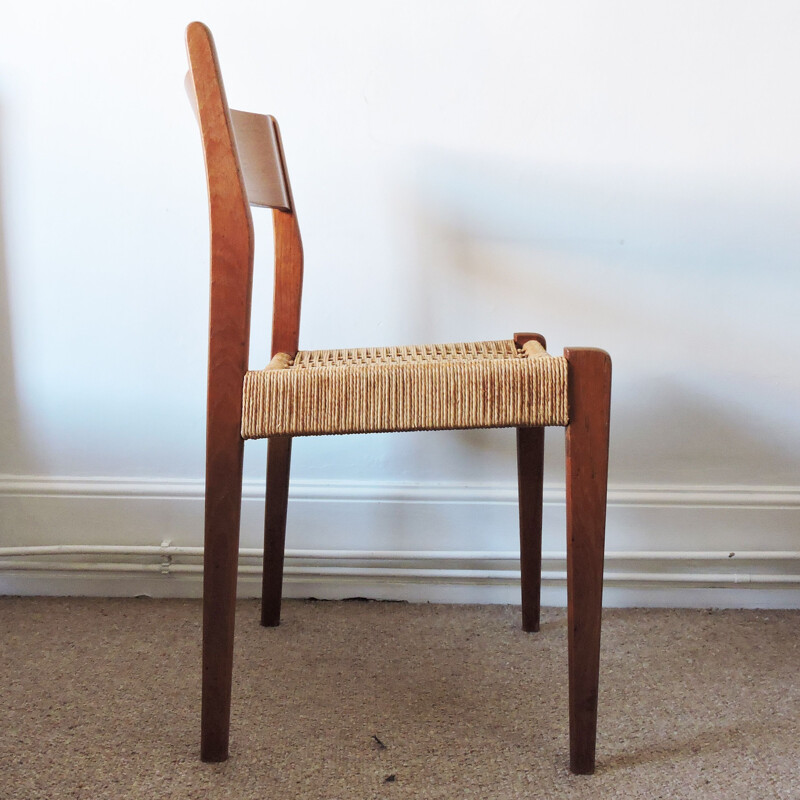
666 495
716 575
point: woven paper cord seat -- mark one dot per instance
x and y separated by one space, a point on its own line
425 387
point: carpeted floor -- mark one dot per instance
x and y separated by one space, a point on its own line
365 700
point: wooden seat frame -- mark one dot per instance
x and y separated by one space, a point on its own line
245 166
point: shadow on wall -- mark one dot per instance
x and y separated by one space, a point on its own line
689 282
13 456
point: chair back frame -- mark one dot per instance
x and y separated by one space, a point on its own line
232 254
245 165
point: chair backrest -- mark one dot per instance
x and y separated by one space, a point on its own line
245 166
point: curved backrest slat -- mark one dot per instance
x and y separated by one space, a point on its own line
259 152
260 159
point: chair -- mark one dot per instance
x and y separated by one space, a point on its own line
510 383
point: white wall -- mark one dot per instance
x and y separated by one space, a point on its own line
618 174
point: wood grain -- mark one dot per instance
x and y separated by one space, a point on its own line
260 159
279 454
229 335
288 283
287 299
521 338
530 475
530 478
587 480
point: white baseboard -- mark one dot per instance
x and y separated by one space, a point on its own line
682 546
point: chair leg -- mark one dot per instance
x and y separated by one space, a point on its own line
220 570
279 453
587 478
530 473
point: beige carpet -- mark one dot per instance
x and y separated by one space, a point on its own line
362 700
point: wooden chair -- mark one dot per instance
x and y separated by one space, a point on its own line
513 383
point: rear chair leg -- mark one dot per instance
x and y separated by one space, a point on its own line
220 567
530 473
587 479
279 452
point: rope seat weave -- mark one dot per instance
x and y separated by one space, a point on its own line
419 387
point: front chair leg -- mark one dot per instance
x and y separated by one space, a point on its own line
220 570
279 453
589 381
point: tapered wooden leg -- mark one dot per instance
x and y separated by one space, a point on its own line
220 562
587 478
279 453
530 473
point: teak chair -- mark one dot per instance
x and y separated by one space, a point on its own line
513 383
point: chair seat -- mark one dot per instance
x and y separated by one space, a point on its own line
419 387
